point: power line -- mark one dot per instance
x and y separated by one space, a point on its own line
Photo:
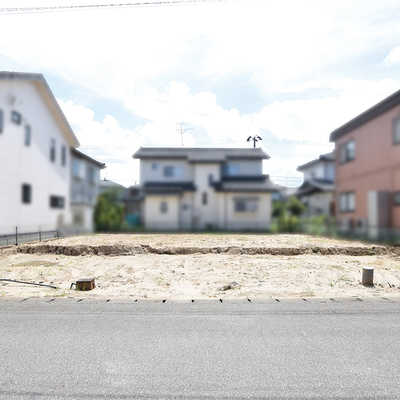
25 10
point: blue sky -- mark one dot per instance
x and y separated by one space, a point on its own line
289 71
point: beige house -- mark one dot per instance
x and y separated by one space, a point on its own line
318 189
204 188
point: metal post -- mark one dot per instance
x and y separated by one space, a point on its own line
16 236
40 235
368 276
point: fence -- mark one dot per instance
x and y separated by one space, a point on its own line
17 238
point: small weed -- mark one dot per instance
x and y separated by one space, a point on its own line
309 291
330 281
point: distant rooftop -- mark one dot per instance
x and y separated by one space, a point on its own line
201 154
79 154
323 157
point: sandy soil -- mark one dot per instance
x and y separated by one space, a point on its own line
191 266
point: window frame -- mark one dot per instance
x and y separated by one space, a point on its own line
63 155
26 193
57 201
52 150
164 207
204 198
396 198
344 154
27 135
394 124
78 169
172 171
246 205
344 199
16 117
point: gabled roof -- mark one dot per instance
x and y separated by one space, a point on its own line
376 110
79 154
201 154
315 185
323 157
48 97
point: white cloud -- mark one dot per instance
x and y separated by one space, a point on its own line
393 57
106 142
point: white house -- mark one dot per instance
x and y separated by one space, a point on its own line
318 189
85 187
204 188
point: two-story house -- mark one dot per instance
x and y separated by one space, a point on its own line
318 189
35 139
85 187
204 188
368 170
43 179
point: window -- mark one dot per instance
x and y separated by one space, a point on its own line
396 131
27 138
210 179
154 166
1 121
246 205
164 207
16 117
92 175
52 150
78 170
63 156
204 198
396 198
347 202
57 202
231 169
172 172
347 152
26 193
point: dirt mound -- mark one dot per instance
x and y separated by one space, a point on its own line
119 250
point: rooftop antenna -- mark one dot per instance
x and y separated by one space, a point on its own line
255 139
182 130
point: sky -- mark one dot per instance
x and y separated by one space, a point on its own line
128 76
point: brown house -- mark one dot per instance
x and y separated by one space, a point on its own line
368 171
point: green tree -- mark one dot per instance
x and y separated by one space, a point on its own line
109 211
295 206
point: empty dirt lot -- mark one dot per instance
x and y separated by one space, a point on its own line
199 266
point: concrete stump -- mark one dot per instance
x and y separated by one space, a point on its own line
368 276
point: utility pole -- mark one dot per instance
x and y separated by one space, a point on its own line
255 139
182 130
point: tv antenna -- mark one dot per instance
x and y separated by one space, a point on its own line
181 129
255 139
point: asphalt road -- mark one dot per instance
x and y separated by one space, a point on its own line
316 349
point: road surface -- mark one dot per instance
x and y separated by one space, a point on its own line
308 349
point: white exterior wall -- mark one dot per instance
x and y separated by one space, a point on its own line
148 174
316 171
229 219
155 219
82 218
20 164
205 215
318 203
320 170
